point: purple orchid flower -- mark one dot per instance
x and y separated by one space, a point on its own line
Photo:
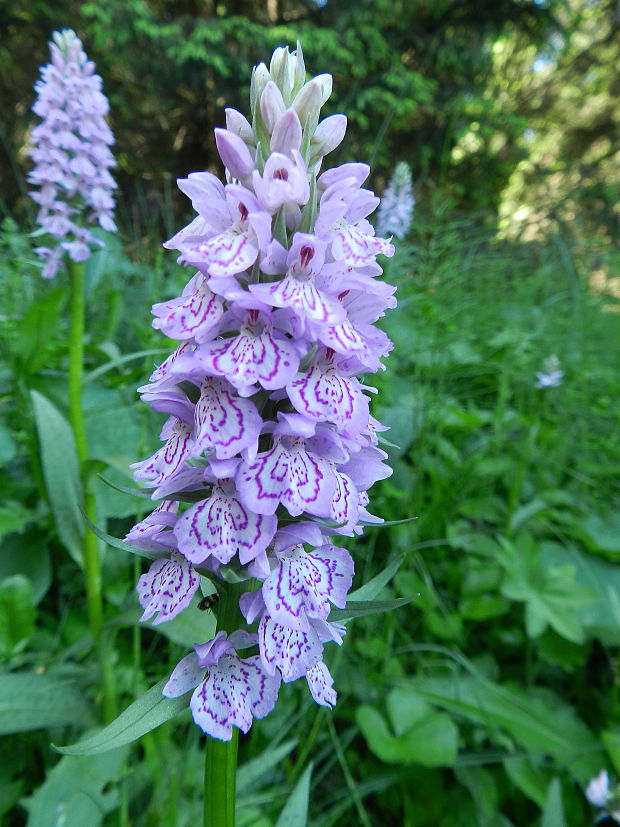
269 429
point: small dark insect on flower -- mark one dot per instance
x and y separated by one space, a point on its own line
208 602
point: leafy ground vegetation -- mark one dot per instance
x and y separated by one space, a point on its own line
494 696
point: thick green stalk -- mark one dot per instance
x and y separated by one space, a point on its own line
221 756
90 550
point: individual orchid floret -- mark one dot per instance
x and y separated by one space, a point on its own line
194 315
307 281
228 690
303 584
71 152
396 210
167 588
284 181
221 526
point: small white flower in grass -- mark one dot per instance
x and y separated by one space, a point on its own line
597 791
551 376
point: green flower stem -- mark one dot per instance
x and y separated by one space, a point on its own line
221 756
90 549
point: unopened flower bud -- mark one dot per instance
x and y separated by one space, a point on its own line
260 79
329 134
311 97
271 105
239 124
234 153
286 133
282 71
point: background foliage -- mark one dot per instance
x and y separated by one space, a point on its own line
493 697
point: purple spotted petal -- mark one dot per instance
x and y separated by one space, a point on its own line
148 532
252 357
163 371
290 651
165 462
343 338
185 676
167 587
225 254
320 683
195 315
325 395
221 526
353 246
287 474
304 583
303 297
345 504
224 422
233 692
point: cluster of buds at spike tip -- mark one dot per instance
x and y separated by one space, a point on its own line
395 214
71 152
269 449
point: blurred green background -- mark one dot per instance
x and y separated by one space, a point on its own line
494 697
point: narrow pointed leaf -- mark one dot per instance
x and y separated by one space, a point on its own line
120 544
371 589
361 608
60 472
295 812
144 715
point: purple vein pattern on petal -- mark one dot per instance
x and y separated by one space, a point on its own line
222 526
291 651
224 422
289 475
165 462
304 583
232 693
167 587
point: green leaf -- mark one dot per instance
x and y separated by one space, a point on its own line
189 627
531 780
602 533
611 740
551 595
61 473
8 448
538 720
122 360
27 554
600 619
14 517
553 812
418 734
31 701
295 812
17 613
73 794
147 713
250 773
116 543
371 589
142 493
36 330
361 608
